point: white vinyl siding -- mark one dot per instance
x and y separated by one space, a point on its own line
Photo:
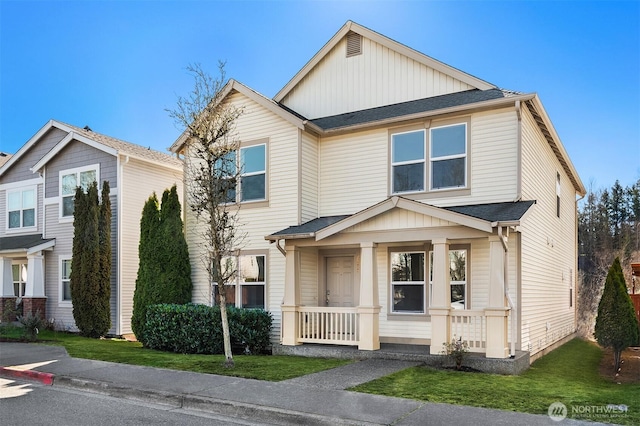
379 76
309 178
548 244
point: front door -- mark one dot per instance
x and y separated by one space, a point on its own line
340 281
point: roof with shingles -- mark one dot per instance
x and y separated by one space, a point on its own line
411 107
493 212
22 242
125 148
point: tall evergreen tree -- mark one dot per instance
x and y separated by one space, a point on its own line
103 307
147 272
616 324
85 270
164 272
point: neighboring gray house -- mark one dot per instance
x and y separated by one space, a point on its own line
37 186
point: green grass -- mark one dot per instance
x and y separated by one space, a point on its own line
270 368
568 375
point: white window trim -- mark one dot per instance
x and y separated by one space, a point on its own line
61 301
404 163
22 283
238 283
422 283
22 228
77 171
243 174
449 157
466 274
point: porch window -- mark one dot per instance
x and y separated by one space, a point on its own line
70 180
448 156
458 278
247 288
19 273
21 208
408 161
65 280
408 282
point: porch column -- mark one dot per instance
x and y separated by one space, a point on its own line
34 298
6 289
291 298
440 296
369 307
497 313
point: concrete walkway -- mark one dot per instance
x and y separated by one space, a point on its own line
317 399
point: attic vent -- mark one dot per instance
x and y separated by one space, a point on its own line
354 44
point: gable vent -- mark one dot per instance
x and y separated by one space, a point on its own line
354 44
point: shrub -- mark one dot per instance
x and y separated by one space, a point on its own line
197 329
456 350
32 325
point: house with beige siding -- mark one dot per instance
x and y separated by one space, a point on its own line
395 199
37 187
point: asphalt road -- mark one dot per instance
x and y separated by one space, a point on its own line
25 403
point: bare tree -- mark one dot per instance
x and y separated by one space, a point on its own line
211 173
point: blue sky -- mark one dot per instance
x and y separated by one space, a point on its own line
117 66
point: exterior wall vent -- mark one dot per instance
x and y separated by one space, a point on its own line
354 44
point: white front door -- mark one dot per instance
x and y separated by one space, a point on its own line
340 281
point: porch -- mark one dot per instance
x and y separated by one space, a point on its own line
417 353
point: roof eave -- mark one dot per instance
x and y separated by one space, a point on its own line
300 236
475 106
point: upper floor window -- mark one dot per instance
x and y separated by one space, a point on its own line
70 180
448 156
253 176
251 161
408 161
21 208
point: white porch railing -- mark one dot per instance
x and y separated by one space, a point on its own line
336 326
471 326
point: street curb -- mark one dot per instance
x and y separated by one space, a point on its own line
247 411
38 376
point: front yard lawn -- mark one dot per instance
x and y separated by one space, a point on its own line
270 368
569 374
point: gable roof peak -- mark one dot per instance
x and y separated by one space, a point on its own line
351 26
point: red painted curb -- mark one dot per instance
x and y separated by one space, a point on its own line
44 378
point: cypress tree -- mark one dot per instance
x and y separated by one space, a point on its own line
85 288
146 267
616 324
103 307
174 283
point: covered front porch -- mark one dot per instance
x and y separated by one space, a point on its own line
386 275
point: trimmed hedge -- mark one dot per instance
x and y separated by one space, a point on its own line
197 329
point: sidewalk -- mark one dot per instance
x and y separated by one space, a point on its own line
317 399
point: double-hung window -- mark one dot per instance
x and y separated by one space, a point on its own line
247 288
21 208
408 282
19 273
457 276
65 280
69 181
253 176
408 162
448 156
243 174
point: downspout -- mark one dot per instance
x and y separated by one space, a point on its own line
505 246
575 265
43 175
280 249
519 153
119 180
